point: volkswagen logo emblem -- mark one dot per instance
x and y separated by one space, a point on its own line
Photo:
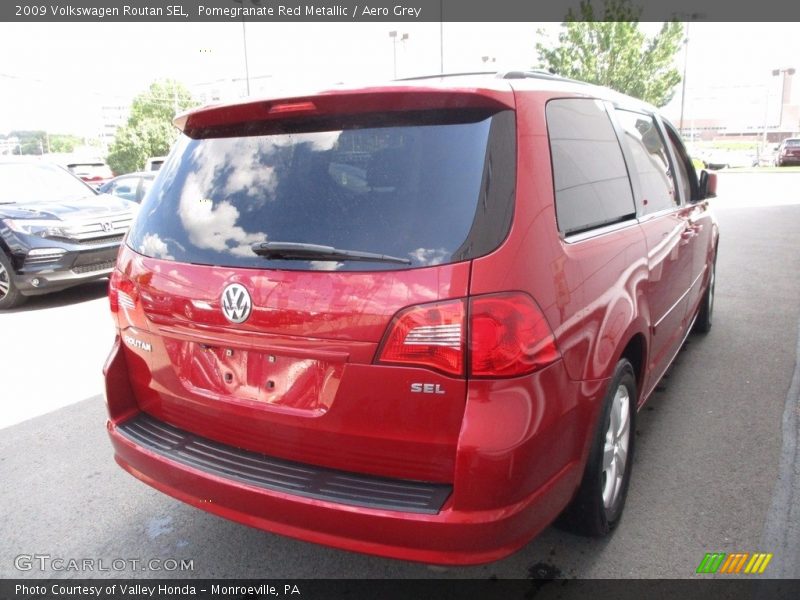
236 303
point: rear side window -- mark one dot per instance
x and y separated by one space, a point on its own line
431 190
688 176
650 161
591 182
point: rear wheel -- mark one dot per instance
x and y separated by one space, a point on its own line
9 294
703 322
597 507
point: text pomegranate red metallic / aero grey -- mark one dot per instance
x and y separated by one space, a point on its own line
414 320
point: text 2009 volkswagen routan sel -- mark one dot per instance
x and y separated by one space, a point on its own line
414 320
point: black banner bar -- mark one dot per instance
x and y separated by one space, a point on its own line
742 588
375 11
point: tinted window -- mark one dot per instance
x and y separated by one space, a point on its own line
424 192
591 181
688 177
125 187
649 161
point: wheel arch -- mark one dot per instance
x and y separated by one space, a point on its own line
635 351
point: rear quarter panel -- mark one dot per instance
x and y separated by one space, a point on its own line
591 292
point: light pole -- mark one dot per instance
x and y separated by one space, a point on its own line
246 64
244 44
783 73
403 38
775 72
683 83
441 37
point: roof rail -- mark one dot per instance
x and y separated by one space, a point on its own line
520 74
535 74
440 75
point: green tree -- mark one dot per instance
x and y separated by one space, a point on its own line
64 143
31 142
615 53
149 130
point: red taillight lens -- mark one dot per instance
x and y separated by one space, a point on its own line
428 335
113 291
121 292
509 336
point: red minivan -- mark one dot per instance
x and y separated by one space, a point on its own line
414 320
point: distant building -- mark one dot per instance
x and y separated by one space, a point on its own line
9 145
743 111
112 117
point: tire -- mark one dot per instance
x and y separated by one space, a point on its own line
706 311
10 296
597 507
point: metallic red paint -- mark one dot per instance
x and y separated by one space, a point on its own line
514 449
473 527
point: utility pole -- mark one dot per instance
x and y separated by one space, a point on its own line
683 83
246 65
244 44
441 37
403 38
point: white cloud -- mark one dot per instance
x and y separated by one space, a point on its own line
153 245
429 256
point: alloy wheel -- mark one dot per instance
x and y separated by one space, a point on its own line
615 449
5 281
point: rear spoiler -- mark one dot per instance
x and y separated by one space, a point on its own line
265 115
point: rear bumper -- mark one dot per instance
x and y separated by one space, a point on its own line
448 537
520 458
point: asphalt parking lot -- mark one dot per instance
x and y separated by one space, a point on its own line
715 471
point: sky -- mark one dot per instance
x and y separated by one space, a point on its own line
55 76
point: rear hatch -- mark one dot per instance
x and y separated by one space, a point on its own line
295 282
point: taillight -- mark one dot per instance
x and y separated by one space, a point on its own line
508 337
121 292
427 335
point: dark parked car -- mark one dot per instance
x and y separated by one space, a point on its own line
415 320
788 152
133 186
55 231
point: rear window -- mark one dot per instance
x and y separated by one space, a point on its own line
430 191
792 143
